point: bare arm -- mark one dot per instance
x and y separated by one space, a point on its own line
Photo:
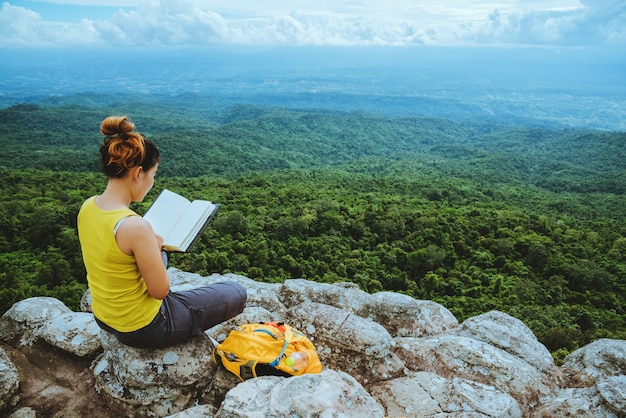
135 237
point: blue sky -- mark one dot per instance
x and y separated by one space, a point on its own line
91 23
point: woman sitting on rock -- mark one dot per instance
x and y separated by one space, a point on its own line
126 269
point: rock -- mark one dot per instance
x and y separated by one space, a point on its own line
195 412
510 334
452 356
26 318
24 413
75 332
404 316
613 392
9 381
221 382
85 302
400 314
597 361
578 403
54 383
345 296
347 342
427 394
411 357
152 382
327 324
330 393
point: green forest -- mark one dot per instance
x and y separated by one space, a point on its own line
475 216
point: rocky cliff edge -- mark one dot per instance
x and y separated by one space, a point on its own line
384 355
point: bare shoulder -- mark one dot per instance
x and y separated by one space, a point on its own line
134 234
135 225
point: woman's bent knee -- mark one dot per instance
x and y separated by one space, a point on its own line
238 295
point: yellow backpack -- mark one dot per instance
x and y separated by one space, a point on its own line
253 350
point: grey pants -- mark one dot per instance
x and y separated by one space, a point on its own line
186 314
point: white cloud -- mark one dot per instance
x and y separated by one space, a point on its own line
596 23
326 22
167 24
17 25
20 27
605 21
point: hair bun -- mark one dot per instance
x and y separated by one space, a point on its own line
123 149
116 125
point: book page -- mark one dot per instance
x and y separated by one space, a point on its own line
191 224
165 211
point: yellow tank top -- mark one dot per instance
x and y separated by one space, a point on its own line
119 294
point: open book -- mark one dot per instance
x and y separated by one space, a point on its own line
179 221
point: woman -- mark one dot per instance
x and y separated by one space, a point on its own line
126 274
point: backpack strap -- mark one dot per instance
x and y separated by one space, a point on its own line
282 353
268 332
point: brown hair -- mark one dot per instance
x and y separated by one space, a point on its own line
123 149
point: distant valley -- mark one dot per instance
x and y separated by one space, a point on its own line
530 87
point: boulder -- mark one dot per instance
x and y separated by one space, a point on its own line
152 382
606 399
24 413
384 355
9 382
427 394
26 318
404 316
453 356
195 412
598 360
613 392
510 334
347 342
345 296
330 393
74 332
